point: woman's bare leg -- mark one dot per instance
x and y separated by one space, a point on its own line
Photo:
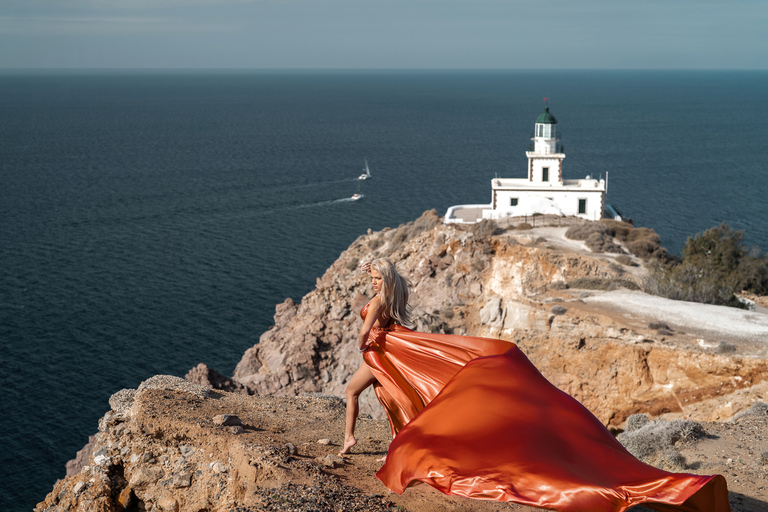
360 381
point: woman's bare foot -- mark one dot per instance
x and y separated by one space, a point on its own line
348 444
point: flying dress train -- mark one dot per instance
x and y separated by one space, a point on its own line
475 418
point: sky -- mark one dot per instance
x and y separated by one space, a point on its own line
385 34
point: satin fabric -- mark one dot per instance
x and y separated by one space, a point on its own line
473 417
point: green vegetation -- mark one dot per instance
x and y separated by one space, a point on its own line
715 266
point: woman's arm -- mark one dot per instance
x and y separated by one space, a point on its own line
374 310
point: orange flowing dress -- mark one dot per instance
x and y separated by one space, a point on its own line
473 417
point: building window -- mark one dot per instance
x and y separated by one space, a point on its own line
582 206
512 201
545 174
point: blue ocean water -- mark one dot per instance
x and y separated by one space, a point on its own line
151 220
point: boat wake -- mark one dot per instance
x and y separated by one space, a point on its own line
320 204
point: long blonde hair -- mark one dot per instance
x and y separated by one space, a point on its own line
395 290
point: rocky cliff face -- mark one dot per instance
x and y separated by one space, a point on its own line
172 445
511 284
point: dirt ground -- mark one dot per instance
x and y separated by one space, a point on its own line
738 450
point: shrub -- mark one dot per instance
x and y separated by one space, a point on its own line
486 228
653 442
601 283
523 226
715 266
586 229
643 249
601 242
626 260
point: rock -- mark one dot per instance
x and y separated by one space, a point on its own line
122 400
218 467
101 460
186 450
145 476
182 479
285 312
491 314
330 461
292 450
558 310
126 499
205 376
173 383
226 420
324 441
75 465
79 486
168 504
235 429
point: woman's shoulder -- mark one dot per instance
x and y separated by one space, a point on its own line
375 302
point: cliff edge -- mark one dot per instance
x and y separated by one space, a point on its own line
267 439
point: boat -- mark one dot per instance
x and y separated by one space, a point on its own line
355 197
366 174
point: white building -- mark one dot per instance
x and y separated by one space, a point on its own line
544 191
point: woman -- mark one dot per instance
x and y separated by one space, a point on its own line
378 315
474 417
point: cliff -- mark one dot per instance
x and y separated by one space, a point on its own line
267 438
525 286
173 446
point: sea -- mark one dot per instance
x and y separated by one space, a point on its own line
152 220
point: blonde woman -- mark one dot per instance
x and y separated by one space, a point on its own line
387 308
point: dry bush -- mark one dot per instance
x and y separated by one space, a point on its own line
601 242
586 229
601 283
597 236
375 243
486 229
653 442
658 325
523 226
642 248
626 260
617 228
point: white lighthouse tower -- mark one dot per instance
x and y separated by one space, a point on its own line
544 191
545 162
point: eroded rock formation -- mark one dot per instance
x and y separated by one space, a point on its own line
481 280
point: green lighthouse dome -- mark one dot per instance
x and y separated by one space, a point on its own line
546 118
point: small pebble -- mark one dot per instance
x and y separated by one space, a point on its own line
324 441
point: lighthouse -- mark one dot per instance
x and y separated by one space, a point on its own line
545 162
544 191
